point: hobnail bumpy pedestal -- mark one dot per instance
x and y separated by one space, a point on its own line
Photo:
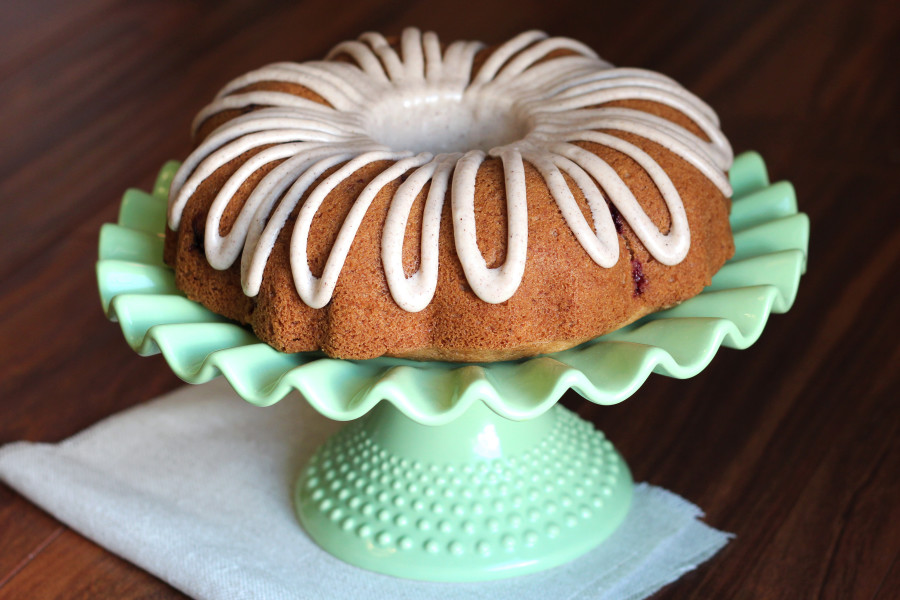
480 498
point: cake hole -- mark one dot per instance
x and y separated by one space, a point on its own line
431 122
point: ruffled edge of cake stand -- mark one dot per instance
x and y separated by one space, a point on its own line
138 290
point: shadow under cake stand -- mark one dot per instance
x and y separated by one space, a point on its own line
452 472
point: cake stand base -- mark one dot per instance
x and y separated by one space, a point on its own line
479 498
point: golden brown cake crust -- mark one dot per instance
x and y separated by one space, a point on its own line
564 299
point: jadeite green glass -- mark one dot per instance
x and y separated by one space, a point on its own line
467 472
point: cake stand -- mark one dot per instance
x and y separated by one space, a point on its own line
453 472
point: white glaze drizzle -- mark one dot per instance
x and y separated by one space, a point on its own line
430 92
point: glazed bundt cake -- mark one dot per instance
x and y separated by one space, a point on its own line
454 202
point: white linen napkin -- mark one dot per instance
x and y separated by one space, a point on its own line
196 488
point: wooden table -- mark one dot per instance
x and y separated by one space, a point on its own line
791 444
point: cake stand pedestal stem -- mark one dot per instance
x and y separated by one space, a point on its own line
481 497
479 433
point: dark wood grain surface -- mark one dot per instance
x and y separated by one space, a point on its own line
793 444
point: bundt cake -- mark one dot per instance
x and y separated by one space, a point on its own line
460 202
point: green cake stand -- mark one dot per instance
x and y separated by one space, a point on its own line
452 472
